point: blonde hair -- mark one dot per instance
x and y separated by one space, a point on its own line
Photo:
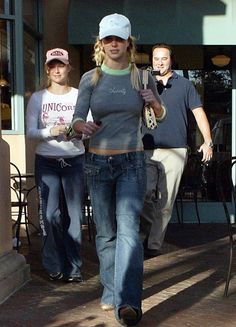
99 56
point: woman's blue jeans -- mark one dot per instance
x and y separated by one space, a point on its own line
117 186
60 184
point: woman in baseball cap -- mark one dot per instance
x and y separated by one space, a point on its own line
115 166
59 169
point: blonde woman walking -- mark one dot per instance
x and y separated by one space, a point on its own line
115 166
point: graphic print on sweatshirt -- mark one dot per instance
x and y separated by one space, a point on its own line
59 111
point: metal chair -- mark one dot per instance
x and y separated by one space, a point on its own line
20 194
88 214
192 186
227 195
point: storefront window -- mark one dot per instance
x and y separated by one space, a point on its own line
2 6
6 7
32 38
214 87
6 74
11 82
30 12
30 67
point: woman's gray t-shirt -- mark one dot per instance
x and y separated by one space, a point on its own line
118 106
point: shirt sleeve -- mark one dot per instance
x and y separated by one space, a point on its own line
32 119
194 100
83 100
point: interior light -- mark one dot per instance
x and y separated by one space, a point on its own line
3 81
220 60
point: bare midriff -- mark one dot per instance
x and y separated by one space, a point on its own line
111 151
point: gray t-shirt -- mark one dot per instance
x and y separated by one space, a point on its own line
115 103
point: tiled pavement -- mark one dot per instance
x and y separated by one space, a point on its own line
182 288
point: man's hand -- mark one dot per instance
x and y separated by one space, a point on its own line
207 152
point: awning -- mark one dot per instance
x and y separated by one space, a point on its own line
153 21
84 17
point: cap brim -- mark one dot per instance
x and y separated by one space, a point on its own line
114 32
64 61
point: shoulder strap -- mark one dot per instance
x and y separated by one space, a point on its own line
145 79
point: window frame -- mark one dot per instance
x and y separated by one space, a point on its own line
17 61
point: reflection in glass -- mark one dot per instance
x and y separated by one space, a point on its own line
31 78
5 82
214 87
7 7
29 11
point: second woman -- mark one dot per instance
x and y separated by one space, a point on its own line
59 169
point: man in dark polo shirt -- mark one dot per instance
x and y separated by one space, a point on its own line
166 148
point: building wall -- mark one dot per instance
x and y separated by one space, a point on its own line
55 34
5 230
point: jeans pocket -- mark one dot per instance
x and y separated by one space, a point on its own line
135 170
92 174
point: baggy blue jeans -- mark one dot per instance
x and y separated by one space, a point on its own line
60 184
117 185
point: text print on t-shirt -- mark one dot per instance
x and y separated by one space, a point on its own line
57 113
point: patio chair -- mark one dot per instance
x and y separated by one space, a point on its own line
192 186
19 200
227 195
88 214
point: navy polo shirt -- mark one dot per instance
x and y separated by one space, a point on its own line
179 96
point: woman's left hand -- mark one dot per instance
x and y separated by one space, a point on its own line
148 97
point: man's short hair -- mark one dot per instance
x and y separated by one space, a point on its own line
165 46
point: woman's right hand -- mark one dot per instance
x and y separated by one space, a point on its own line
86 128
58 130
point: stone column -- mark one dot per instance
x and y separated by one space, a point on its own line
14 272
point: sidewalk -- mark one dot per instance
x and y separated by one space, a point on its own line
182 287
